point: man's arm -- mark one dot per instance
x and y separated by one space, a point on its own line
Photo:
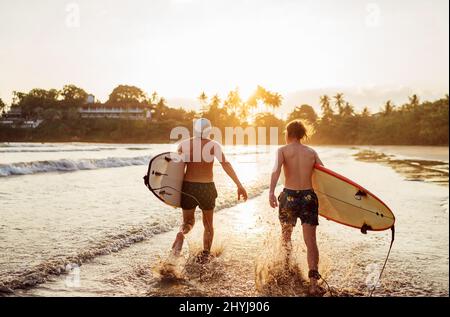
274 178
228 168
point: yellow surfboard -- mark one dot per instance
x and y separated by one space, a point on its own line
345 202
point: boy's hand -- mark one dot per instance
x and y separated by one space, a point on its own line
273 201
242 192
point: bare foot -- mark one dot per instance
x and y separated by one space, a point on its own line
316 291
203 257
178 244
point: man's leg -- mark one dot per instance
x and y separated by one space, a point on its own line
186 227
208 233
309 236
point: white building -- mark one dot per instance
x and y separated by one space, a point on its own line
115 112
14 119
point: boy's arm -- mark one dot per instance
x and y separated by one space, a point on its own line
228 168
274 178
318 161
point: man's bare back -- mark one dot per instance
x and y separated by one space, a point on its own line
298 165
199 168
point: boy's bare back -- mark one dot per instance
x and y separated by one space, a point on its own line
298 165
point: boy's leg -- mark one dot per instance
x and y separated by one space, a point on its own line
186 227
286 234
288 220
208 233
309 236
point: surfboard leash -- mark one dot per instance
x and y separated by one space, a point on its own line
330 290
385 261
318 276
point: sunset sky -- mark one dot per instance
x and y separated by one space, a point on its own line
182 47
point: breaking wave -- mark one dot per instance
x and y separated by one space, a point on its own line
15 145
67 165
13 150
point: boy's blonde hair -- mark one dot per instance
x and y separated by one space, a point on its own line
296 130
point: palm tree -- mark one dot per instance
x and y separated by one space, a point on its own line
154 98
160 108
365 112
324 101
327 111
270 99
2 107
339 102
162 102
203 98
388 108
275 101
414 100
252 103
233 101
213 110
215 101
244 111
348 110
263 95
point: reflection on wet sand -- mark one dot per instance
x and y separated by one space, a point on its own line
413 169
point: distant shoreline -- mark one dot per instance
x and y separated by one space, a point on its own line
168 141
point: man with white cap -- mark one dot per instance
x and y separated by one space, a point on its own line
198 186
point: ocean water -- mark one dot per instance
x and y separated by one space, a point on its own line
82 209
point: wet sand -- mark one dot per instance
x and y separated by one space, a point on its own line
249 262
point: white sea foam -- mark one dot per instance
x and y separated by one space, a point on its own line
49 150
67 165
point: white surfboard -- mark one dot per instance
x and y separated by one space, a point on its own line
345 202
165 177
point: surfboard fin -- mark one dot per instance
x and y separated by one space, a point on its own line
364 228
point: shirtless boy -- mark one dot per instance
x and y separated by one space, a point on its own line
298 199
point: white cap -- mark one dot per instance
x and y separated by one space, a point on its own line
202 127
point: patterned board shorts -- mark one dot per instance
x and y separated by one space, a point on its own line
205 195
301 204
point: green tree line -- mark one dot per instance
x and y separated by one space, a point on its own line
412 123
